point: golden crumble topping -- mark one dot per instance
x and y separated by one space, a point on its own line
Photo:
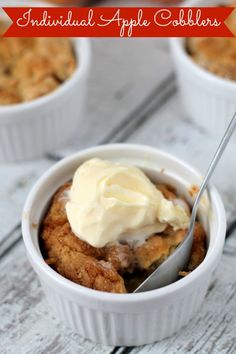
217 55
33 67
118 267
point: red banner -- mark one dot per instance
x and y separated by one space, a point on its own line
118 22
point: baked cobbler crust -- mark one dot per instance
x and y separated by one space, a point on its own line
33 67
116 268
217 55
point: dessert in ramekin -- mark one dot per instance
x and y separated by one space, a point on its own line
216 55
111 226
125 319
33 67
208 95
39 125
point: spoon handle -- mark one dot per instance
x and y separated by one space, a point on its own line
168 271
213 164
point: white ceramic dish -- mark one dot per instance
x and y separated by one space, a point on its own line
124 319
34 128
208 99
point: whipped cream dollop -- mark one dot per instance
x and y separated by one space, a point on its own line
111 202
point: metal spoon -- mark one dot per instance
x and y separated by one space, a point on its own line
168 271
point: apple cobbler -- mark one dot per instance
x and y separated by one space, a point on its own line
117 267
217 55
33 67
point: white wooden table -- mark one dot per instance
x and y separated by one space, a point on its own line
126 74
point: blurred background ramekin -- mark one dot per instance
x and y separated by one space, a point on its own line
208 99
125 319
32 129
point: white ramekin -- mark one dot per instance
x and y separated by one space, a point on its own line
124 319
207 98
31 129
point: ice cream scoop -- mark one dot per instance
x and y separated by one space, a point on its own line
111 202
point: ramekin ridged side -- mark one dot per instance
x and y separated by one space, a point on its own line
124 319
31 129
207 98
126 329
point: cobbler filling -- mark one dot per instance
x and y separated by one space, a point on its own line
118 267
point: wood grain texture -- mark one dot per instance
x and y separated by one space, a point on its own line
124 74
28 325
169 129
213 329
122 77
15 182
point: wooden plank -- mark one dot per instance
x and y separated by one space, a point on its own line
113 94
169 129
213 328
28 325
124 73
15 182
